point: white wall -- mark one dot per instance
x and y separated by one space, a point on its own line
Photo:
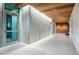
35 25
74 26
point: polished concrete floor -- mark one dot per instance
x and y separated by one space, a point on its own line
57 44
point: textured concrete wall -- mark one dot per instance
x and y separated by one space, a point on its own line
24 24
1 25
74 26
35 25
39 25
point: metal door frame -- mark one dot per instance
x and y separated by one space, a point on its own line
4 26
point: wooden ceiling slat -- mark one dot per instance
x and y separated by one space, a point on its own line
65 10
54 6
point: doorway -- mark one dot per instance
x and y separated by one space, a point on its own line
10 26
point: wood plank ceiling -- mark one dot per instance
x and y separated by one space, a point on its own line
59 12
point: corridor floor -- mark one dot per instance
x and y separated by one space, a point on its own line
58 44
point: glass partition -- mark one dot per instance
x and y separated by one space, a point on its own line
11 7
12 18
11 28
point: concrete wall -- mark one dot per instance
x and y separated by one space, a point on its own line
1 25
35 25
74 26
24 24
39 25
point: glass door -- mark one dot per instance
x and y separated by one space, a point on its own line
11 27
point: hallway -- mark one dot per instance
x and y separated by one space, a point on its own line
57 44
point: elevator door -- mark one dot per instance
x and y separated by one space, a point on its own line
11 30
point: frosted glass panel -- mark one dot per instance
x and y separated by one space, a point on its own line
14 22
14 36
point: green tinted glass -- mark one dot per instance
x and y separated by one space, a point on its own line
11 26
11 7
